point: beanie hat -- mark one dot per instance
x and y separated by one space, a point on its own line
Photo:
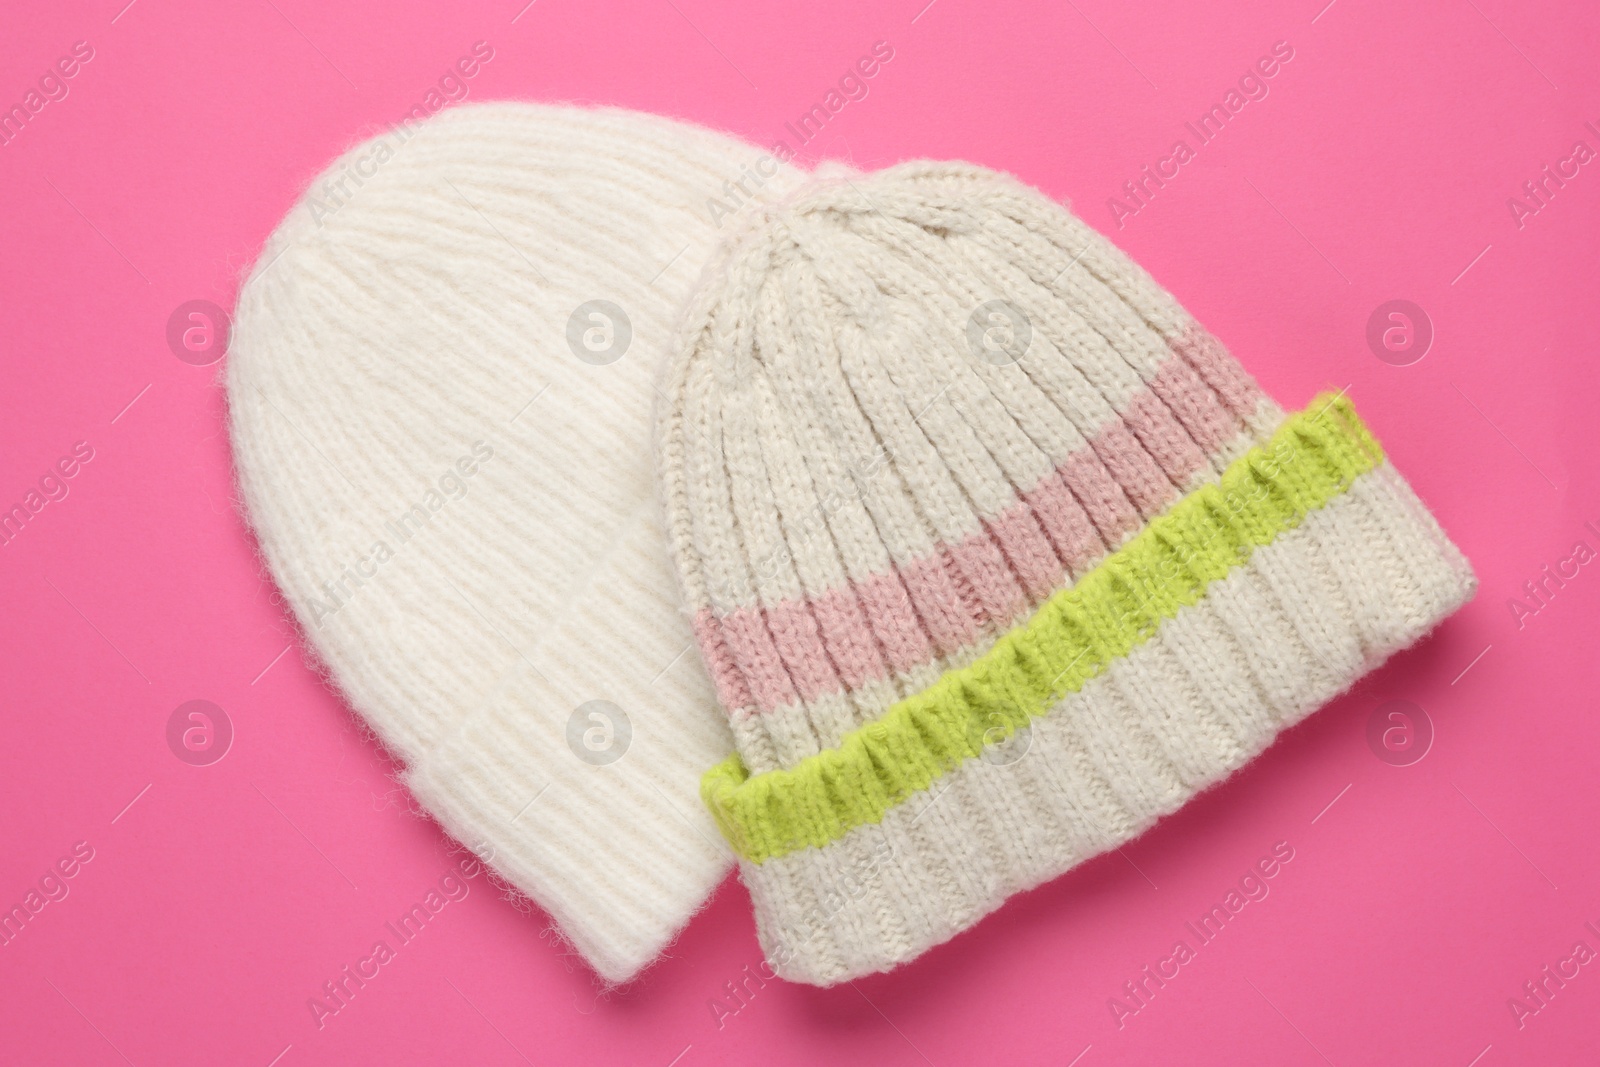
440 389
995 556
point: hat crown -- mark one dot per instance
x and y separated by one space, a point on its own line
909 406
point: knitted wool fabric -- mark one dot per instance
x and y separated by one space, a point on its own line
995 555
443 445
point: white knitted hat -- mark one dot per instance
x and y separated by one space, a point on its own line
996 556
440 386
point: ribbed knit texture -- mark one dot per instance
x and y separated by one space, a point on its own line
401 376
894 526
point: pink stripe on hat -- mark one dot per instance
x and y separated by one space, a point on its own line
943 604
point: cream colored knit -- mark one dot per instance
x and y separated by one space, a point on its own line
440 421
914 415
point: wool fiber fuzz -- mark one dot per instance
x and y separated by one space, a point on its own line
440 388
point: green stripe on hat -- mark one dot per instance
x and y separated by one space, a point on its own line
1312 458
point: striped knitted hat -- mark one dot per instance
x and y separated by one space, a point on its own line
995 556
440 384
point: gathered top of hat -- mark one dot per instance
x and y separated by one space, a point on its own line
994 554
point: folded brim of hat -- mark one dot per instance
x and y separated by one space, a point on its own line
1246 605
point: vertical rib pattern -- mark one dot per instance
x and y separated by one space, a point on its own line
923 433
459 508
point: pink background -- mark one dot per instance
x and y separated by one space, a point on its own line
1378 167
